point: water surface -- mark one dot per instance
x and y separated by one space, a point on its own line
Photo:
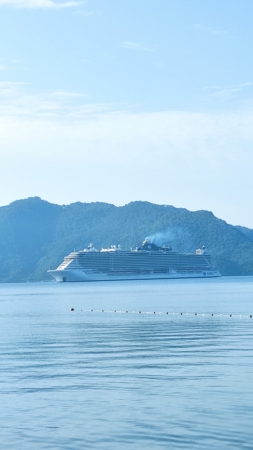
105 380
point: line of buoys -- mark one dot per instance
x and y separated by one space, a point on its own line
164 313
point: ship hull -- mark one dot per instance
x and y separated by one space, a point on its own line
82 276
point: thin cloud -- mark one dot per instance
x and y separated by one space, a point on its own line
225 93
130 45
84 13
248 83
39 4
213 31
65 95
17 101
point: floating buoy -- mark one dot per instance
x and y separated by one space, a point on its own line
167 312
72 309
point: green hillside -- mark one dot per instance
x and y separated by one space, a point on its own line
35 235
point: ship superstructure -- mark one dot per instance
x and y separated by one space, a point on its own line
146 262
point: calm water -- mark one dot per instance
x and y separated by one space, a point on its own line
93 380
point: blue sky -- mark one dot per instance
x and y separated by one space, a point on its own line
118 101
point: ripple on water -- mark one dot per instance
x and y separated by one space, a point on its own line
118 381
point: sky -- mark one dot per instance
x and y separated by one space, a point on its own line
117 101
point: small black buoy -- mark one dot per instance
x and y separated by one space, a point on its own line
212 314
195 314
126 311
167 313
230 315
181 314
139 312
154 312
251 316
72 309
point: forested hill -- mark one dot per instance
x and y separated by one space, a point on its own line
35 235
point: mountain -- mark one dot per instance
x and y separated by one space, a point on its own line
247 231
35 235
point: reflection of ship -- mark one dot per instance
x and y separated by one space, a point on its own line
146 262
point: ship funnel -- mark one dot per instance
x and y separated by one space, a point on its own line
200 251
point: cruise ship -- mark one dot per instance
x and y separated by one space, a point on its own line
144 263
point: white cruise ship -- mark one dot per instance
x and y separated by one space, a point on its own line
144 263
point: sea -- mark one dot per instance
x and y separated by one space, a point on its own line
163 364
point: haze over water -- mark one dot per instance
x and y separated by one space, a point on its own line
105 380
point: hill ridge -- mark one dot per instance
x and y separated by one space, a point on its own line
35 234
